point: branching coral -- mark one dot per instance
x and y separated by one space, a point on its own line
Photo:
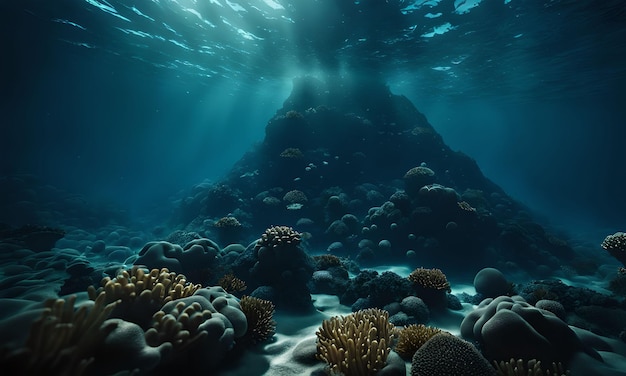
356 344
232 284
279 236
412 337
63 341
433 279
463 205
531 368
616 245
260 316
141 294
158 285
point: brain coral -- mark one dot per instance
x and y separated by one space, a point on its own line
417 177
202 328
295 197
509 327
491 283
445 355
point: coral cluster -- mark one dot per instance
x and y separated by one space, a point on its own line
279 236
616 245
142 293
202 328
227 222
231 284
356 344
63 341
180 327
260 316
412 337
531 368
326 261
161 286
433 279
292 153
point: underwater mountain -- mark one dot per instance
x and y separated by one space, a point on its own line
265 187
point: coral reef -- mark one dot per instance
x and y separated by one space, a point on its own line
62 340
232 284
412 337
141 293
616 246
202 328
356 344
260 316
530 368
279 236
431 285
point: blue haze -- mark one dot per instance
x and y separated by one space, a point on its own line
133 102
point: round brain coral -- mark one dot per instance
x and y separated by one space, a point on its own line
445 354
295 197
416 178
227 222
616 245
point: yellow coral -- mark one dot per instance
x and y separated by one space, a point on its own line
227 222
616 245
231 284
412 337
260 316
430 278
63 341
531 368
279 236
161 286
356 344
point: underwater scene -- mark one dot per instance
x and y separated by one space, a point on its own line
313 187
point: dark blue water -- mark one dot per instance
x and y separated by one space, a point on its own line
129 102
